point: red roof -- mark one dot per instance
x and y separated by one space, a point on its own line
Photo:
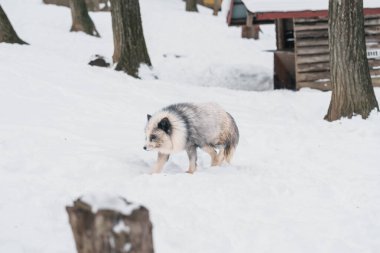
261 17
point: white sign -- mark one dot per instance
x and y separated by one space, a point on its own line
373 53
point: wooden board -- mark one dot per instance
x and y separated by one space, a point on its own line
312 66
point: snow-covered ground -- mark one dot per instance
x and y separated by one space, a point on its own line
297 183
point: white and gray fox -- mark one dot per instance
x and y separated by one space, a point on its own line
188 126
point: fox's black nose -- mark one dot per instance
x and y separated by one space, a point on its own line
144 147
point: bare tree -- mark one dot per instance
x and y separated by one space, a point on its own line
352 90
191 5
129 44
81 19
7 33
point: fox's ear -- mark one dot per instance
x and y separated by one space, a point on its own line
165 125
148 116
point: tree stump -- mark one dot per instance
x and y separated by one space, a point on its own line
111 225
81 20
7 33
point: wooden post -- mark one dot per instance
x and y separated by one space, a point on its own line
119 228
280 34
216 7
250 31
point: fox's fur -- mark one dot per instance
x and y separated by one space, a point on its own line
188 126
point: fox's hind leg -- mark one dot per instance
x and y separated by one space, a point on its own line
211 151
220 156
229 153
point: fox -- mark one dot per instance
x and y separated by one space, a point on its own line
188 126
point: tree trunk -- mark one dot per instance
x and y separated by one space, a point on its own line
191 5
81 19
92 5
352 90
130 49
110 231
7 33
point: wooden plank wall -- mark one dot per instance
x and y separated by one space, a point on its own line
312 52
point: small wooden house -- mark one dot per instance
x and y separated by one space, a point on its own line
302 55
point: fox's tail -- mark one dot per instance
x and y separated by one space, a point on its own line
232 141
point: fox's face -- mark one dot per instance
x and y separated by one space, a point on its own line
157 135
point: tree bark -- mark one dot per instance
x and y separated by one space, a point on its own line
81 19
191 5
110 231
129 44
352 90
7 33
92 5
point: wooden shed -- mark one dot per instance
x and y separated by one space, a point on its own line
302 55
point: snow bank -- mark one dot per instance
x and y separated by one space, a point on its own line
200 49
103 201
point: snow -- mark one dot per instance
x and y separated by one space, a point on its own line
121 228
127 247
295 5
103 201
296 184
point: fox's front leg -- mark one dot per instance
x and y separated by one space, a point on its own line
161 160
192 154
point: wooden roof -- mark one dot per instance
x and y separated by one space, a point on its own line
296 5
266 11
